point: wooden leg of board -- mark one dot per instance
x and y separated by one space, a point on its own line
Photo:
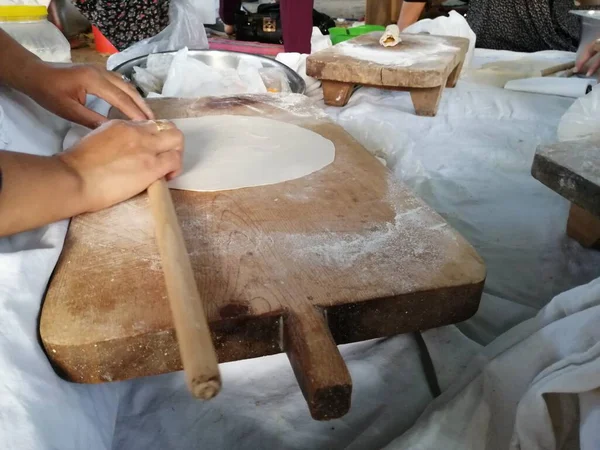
454 76
377 12
336 93
382 12
319 368
583 227
426 100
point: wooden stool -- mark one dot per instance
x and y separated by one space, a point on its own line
571 170
421 64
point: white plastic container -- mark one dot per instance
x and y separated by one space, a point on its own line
29 26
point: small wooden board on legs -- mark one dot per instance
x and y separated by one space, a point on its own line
572 169
421 64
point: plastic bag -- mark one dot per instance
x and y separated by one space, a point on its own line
275 80
297 62
186 29
159 64
453 25
581 119
146 81
188 77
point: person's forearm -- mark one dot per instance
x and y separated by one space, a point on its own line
410 13
19 66
35 191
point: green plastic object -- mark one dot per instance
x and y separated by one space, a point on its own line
341 34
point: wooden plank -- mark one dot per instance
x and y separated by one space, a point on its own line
345 249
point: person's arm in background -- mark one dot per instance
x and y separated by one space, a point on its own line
227 11
62 89
410 12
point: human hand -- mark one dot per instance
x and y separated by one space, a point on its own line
63 90
590 51
121 159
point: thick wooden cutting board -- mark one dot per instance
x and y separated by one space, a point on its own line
421 64
344 254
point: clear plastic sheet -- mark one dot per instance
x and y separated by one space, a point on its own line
188 77
581 119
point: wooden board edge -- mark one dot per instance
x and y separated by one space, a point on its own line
158 353
115 360
369 320
548 172
316 70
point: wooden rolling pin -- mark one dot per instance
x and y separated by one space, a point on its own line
191 326
569 68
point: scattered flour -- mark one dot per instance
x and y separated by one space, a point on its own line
413 232
402 55
129 227
414 243
296 104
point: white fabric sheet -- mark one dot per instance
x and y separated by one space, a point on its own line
37 409
472 163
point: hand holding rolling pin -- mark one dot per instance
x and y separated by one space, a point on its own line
121 159
113 163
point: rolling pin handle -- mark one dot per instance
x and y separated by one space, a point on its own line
197 350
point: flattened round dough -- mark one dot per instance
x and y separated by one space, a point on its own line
232 152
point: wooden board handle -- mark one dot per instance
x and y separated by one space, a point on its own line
318 365
191 326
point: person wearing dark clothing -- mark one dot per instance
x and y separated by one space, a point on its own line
516 25
296 21
125 23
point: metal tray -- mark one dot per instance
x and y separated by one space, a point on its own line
222 59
